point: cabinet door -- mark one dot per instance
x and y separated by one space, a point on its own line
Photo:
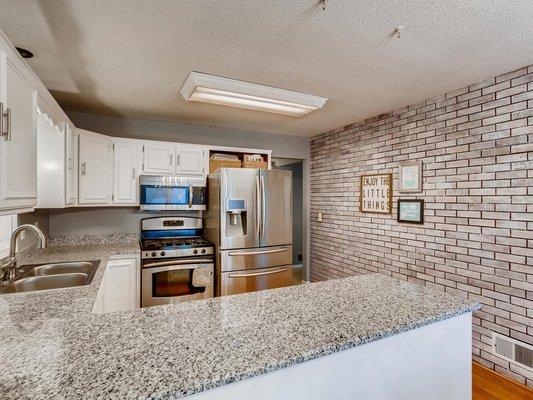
191 160
18 149
71 167
94 168
158 158
125 172
121 286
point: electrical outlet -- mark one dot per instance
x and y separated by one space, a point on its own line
319 217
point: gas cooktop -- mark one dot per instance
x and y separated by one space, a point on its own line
174 243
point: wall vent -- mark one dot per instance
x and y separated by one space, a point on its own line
512 350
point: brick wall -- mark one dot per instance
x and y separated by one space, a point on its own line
476 145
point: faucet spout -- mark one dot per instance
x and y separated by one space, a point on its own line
14 236
9 269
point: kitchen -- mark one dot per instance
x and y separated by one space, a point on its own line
222 236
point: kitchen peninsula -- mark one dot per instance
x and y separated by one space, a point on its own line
369 335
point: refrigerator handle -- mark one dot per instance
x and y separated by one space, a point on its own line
263 202
258 208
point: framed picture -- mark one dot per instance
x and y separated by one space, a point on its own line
411 211
376 193
411 176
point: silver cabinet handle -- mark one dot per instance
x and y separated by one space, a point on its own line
178 159
5 130
257 273
256 253
190 196
70 163
83 168
133 173
171 159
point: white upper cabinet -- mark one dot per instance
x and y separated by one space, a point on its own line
191 160
18 140
50 163
165 158
126 169
158 158
95 168
71 165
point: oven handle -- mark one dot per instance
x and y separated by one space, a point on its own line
256 253
257 273
178 262
191 193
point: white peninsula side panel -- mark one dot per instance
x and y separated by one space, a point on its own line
431 362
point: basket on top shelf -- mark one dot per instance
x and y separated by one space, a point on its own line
215 164
255 164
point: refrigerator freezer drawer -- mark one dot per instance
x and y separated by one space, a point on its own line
256 279
246 259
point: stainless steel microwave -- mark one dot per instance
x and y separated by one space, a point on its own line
158 192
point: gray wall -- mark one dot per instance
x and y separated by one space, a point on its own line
297 208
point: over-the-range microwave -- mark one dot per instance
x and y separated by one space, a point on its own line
158 192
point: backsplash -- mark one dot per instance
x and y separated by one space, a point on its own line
476 145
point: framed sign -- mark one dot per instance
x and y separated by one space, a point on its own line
376 193
410 176
411 211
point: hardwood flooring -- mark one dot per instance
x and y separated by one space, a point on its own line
490 385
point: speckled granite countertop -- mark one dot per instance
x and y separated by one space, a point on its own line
52 347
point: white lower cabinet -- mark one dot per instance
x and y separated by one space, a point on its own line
120 286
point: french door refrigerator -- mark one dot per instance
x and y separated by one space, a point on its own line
249 219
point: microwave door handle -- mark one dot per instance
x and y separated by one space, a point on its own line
190 195
178 262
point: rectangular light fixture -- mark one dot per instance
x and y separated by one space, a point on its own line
230 92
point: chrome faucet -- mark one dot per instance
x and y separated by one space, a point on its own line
9 269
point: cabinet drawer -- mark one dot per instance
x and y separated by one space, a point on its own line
255 279
235 260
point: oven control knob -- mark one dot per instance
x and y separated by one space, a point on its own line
195 251
154 254
203 251
163 254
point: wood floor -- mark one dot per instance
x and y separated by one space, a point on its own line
489 385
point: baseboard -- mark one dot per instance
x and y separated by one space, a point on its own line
491 385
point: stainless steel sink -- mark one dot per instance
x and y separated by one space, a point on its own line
52 276
84 267
46 282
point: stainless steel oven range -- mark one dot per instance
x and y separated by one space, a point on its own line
177 263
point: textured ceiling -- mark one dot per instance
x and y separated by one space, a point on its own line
130 58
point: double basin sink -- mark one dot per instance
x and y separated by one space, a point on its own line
51 276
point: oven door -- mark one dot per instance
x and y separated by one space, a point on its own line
172 193
176 281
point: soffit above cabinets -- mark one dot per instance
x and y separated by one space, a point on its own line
130 58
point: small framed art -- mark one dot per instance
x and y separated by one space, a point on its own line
411 211
410 177
376 193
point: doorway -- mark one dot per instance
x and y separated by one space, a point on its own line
296 167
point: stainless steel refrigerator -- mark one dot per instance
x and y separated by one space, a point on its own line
249 218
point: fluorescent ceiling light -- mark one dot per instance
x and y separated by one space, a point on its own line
230 92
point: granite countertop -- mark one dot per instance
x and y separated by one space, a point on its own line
51 346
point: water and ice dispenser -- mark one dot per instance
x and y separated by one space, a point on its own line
236 217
